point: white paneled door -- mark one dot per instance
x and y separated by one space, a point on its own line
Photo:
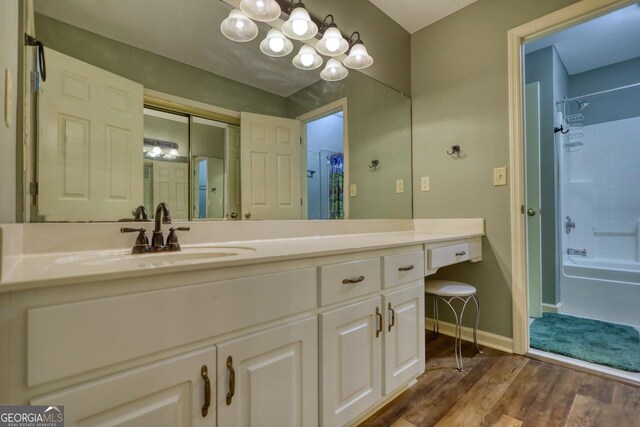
271 179
171 185
404 346
351 377
270 378
168 393
90 140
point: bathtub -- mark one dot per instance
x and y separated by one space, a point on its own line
600 288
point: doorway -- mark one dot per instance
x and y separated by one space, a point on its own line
576 97
325 167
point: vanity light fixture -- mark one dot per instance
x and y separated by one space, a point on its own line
332 42
276 44
299 26
358 57
334 71
261 10
307 58
238 27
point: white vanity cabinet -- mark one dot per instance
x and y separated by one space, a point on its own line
270 378
175 392
371 348
351 341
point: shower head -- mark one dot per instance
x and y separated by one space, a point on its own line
582 104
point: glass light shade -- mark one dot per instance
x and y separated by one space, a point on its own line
173 153
299 26
261 10
238 27
334 71
358 57
307 58
332 43
276 44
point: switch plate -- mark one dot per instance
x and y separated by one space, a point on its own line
353 190
500 176
425 183
399 186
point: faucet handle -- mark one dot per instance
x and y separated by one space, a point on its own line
172 238
142 241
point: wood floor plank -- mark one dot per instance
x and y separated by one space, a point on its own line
589 412
436 404
500 389
481 398
553 402
597 388
626 397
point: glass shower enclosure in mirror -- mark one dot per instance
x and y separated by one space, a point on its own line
146 101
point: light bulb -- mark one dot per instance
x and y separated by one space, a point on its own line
260 6
156 151
306 59
173 152
332 44
299 26
276 44
239 24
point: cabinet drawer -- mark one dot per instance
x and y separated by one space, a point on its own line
340 282
106 331
403 268
447 255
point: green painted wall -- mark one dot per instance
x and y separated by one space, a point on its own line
379 126
460 96
156 72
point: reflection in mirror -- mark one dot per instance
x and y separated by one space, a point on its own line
105 64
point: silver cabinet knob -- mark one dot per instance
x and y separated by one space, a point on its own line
247 215
531 212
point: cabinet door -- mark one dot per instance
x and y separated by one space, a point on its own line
404 347
270 378
167 393
351 361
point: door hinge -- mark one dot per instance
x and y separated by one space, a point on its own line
300 201
300 140
33 188
522 209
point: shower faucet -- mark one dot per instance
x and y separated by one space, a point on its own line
568 224
581 252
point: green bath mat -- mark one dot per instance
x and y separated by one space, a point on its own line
594 341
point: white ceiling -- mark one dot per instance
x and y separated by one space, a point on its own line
414 15
187 32
597 43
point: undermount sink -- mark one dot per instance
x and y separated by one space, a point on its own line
188 254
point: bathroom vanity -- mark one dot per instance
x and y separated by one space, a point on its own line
302 331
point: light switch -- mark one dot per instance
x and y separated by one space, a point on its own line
399 186
353 191
424 183
500 176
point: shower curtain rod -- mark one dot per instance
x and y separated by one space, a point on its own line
589 95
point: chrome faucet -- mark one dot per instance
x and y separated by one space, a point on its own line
162 214
581 252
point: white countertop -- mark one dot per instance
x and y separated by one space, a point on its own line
27 271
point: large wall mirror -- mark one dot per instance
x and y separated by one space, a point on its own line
146 101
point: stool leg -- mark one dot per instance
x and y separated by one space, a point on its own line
436 317
457 347
475 326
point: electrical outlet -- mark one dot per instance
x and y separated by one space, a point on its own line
399 186
424 183
353 190
500 176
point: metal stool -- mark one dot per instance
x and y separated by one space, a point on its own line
449 291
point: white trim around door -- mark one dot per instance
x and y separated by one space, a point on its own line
517 37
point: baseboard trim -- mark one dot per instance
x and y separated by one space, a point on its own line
551 308
487 339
